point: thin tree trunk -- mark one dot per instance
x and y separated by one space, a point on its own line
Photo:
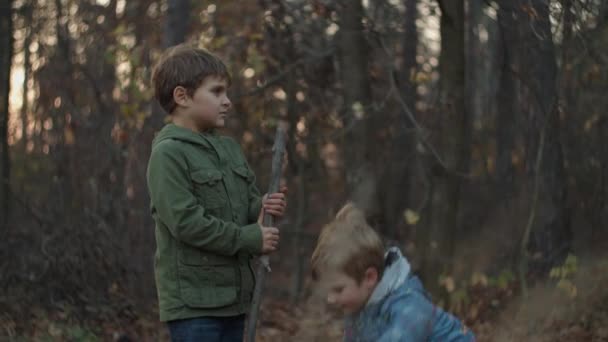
603 17
141 242
6 54
298 174
473 56
397 182
445 195
509 17
471 15
60 151
410 52
357 111
550 237
27 20
177 22
293 115
488 66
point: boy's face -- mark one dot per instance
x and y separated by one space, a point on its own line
348 295
209 105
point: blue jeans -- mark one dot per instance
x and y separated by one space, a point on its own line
208 329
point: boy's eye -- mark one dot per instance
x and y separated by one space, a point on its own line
337 289
218 90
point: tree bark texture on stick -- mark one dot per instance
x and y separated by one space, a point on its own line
268 221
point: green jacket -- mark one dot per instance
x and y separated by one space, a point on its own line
205 205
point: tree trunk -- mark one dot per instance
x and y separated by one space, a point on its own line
60 152
410 51
27 23
357 111
297 173
550 236
445 194
177 22
509 18
603 17
6 54
141 240
397 181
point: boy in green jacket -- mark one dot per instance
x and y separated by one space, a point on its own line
204 202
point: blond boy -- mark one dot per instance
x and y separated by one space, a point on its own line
375 289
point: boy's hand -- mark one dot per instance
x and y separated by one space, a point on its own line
276 203
273 204
270 239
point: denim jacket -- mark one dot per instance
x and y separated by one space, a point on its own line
399 310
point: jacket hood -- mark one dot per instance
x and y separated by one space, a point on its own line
395 274
174 132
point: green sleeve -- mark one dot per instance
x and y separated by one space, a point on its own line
176 206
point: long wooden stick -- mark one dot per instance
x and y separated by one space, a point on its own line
268 221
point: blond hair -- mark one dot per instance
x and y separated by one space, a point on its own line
348 244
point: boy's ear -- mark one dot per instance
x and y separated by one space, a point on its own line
180 96
371 277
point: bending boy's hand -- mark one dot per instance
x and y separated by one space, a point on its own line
276 203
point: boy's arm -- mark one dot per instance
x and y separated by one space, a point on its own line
417 319
172 195
410 320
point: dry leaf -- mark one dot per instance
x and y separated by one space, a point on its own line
411 217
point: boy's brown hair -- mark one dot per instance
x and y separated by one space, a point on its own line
187 66
348 244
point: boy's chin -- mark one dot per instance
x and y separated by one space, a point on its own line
220 123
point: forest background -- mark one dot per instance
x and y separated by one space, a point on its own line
473 133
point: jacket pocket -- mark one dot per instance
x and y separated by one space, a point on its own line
207 280
244 177
209 188
208 286
244 172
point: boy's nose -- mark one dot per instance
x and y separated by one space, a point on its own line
227 103
331 300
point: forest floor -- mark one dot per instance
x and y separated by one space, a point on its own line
572 305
